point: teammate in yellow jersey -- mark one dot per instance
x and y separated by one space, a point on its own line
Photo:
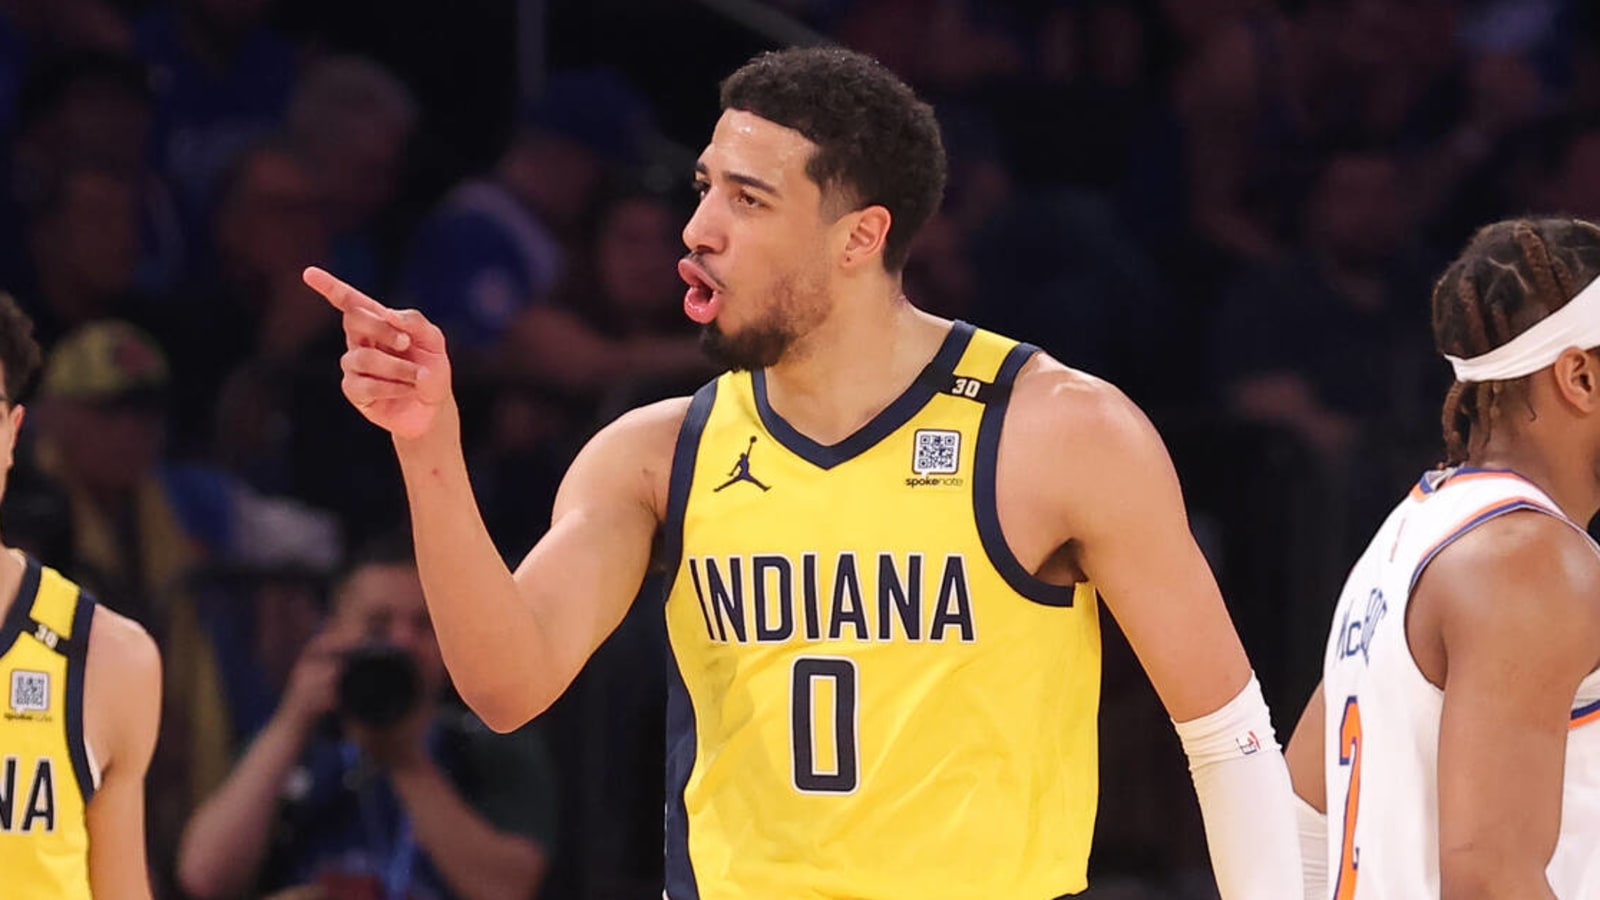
80 712
881 528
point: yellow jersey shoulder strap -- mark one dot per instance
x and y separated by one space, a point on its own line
58 610
986 375
58 615
979 374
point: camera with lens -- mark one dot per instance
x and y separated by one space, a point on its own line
379 685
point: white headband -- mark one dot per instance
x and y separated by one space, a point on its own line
1577 324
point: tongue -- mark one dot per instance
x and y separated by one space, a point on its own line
701 305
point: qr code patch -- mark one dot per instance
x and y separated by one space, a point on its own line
30 691
937 452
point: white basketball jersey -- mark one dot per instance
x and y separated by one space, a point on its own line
1382 747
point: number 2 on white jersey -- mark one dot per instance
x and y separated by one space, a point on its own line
1350 755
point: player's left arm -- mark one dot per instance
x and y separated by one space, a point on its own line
122 708
1114 497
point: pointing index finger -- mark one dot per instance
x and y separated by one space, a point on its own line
344 297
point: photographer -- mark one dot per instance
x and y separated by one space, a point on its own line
363 784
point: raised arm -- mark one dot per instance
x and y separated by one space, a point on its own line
1114 502
1509 613
512 643
122 706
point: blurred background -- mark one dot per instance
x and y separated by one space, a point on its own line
1231 208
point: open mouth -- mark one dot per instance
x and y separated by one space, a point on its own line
703 298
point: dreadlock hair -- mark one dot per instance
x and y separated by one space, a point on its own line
1510 275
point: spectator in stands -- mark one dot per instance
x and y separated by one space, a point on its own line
351 120
83 249
223 80
140 529
417 799
486 265
1354 288
88 110
269 225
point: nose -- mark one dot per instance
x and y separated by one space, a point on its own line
704 232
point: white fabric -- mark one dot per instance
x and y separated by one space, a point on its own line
94 764
1313 828
1245 798
1382 714
1577 324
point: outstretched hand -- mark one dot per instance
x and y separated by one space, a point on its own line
396 371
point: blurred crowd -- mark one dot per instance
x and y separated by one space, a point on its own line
1233 209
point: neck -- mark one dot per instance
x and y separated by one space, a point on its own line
1561 472
11 566
852 366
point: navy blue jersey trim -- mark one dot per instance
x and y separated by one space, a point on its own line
77 663
985 505
681 737
684 454
885 423
1427 485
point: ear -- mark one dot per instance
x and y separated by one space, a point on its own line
1577 377
15 415
869 231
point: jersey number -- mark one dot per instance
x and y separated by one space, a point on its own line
1350 755
810 674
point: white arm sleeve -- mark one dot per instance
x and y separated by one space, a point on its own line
1313 828
1245 798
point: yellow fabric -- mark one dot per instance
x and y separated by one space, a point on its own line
974 771
44 837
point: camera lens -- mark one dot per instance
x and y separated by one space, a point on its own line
379 685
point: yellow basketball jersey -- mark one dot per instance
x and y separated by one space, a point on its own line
872 697
45 783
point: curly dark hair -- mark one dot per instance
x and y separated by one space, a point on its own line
1511 275
20 355
877 144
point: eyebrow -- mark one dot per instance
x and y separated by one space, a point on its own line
749 181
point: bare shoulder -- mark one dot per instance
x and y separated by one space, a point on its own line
1527 552
121 650
654 425
1517 591
630 458
122 690
1056 410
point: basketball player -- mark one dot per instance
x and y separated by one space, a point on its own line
882 530
82 704
1455 740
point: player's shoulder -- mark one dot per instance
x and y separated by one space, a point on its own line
1525 549
650 428
1061 407
631 456
122 648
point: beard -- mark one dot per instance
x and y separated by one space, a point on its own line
764 343
754 347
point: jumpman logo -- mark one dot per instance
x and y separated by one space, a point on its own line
741 470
